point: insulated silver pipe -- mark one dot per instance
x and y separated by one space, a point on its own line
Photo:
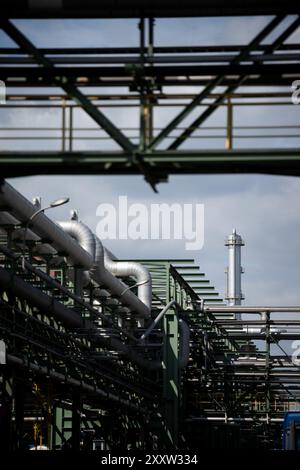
130 268
232 420
250 309
97 270
17 205
22 209
85 254
88 241
101 275
82 234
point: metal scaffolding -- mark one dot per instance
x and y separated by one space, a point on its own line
223 72
71 381
84 370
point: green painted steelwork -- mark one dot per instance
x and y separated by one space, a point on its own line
282 161
171 388
26 46
145 75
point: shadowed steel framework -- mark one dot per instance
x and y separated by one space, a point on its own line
223 74
89 364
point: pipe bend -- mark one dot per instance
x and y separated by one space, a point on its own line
84 237
131 268
82 234
61 236
116 286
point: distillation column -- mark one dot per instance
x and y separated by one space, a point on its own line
234 270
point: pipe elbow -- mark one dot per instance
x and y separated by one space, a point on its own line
131 268
84 237
82 234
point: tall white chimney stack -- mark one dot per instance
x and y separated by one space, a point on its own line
234 270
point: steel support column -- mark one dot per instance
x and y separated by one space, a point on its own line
170 371
268 366
19 400
76 420
171 377
5 411
61 428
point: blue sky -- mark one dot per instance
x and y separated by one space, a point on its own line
264 209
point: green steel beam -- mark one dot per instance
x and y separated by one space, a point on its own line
136 9
155 262
192 275
61 427
269 161
162 73
213 83
188 268
204 294
229 48
262 79
76 421
171 389
26 46
171 377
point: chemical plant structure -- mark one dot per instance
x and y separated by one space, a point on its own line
102 353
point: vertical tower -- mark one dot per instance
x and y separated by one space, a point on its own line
234 270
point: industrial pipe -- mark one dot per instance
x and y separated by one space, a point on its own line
22 209
73 320
245 309
101 275
184 337
68 317
11 222
86 254
157 319
16 361
130 268
34 296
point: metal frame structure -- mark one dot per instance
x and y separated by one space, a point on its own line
64 389
70 387
136 9
223 73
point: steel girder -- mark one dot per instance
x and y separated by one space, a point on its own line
268 161
138 8
151 76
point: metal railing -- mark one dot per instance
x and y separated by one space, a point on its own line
67 135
